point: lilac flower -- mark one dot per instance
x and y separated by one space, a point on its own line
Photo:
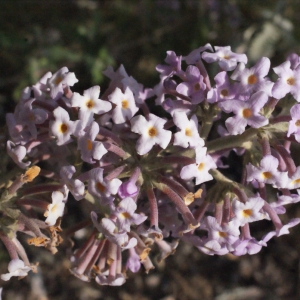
28 116
195 55
40 89
294 124
293 181
125 105
188 134
129 187
16 131
224 90
253 79
119 237
172 106
247 246
102 188
199 170
89 104
56 208
288 81
151 132
112 233
125 213
59 80
105 279
225 234
285 228
174 64
62 127
212 247
75 186
91 149
17 153
249 211
140 94
294 59
247 113
267 172
194 86
159 91
16 267
285 199
117 75
226 59
133 262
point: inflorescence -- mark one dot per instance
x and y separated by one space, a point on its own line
194 159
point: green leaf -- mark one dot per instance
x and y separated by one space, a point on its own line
9 226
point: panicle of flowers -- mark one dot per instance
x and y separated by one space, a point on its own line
145 165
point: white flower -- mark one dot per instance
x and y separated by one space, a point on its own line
89 104
59 80
249 211
62 127
199 170
17 153
16 267
75 186
267 172
151 132
188 134
56 208
125 105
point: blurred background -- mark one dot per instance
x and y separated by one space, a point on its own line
87 36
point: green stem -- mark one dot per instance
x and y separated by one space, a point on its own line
232 141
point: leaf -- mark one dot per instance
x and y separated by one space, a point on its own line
9 226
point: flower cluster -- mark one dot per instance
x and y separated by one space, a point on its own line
142 176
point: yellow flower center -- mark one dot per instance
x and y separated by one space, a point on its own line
224 93
247 213
89 145
31 117
58 80
267 175
125 215
222 234
152 132
247 113
125 104
296 181
252 79
201 166
100 187
54 208
188 132
197 86
290 81
63 128
297 123
90 104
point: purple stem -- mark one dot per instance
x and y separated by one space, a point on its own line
226 210
115 149
240 194
153 208
273 215
178 201
291 167
110 135
10 246
115 173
